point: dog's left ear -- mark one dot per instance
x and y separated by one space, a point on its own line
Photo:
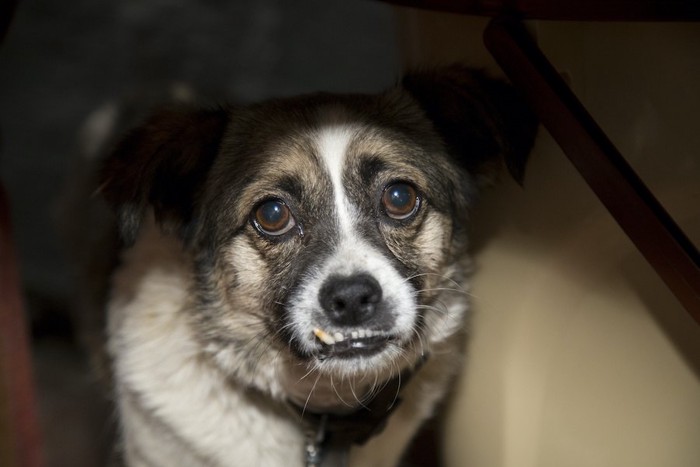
162 166
483 122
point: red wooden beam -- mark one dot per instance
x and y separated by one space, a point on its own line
7 11
19 426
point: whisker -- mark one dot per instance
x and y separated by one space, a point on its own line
308 398
420 339
313 368
335 390
354 394
398 387
442 310
444 289
441 276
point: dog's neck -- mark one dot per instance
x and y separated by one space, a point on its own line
319 394
331 431
306 386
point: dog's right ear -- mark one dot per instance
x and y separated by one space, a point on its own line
484 122
162 165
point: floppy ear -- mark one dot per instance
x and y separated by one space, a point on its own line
484 122
162 165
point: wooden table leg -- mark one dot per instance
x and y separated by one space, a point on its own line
634 207
19 427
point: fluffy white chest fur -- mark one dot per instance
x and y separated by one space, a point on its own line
191 408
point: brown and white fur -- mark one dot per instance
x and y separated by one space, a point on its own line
212 318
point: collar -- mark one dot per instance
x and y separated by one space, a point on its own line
329 437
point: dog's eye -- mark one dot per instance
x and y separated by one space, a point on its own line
273 217
400 200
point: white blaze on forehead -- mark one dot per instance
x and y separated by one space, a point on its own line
333 143
352 254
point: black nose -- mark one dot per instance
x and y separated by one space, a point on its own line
350 300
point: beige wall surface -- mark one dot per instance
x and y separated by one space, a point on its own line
579 356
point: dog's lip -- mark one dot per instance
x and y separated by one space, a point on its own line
350 344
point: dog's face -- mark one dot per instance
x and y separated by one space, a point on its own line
326 230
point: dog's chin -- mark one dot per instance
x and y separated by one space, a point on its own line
340 377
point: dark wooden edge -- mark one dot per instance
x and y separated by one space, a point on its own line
7 11
567 10
18 414
634 207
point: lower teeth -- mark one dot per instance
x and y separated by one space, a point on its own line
330 339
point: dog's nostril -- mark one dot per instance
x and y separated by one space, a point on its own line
350 300
338 305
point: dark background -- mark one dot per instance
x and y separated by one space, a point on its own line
62 61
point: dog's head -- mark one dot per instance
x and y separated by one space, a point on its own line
324 230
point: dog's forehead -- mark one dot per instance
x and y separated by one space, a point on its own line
329 162
328 148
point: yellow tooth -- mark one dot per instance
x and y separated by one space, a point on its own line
324 337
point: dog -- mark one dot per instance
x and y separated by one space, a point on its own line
293 285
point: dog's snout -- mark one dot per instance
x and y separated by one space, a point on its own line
350 300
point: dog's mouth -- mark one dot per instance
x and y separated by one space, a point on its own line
351 344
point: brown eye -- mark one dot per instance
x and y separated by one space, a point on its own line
273 217
400 200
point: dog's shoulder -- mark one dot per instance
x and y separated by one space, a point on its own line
168 392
